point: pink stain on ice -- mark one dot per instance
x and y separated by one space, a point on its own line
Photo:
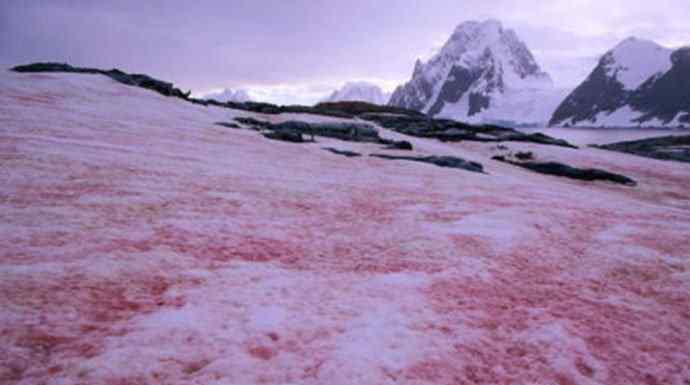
141 244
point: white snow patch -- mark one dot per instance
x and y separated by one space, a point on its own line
637 60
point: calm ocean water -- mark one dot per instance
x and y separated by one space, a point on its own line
585 136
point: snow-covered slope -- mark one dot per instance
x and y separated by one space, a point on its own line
633 61
637 83
140 243
361 92
229 95
484 72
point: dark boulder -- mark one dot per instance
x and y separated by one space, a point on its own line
253 123
285 136
349 154
354 132
227 125
564 170
355 108
397 145
441 161
676 148
527 155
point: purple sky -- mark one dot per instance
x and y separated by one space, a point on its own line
299 50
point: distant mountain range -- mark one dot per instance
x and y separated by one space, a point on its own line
229 95
485 74
638 83
361 92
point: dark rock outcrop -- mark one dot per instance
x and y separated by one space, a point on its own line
168 89
349 154
285 136
353 108
353 132
599 92
527 155
397 145
137 80
676 148
227 125
663 94
564 170
453 131
254 123
441 161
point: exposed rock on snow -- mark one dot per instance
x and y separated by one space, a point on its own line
285 136
137 80
638 83
228 125
400 145
483 74
359 91
356 132
348 131
353 109
453 131
441 161
675 148
253 122
168 89
564 170
349 154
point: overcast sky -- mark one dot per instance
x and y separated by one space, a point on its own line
297 51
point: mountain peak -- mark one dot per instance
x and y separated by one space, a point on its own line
638 82
634 60
637 44
477 67
489 26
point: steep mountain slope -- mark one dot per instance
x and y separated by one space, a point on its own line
141 243
359 92
483 73
637 83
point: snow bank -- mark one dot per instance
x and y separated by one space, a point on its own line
142 244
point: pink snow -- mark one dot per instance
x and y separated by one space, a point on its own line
142 244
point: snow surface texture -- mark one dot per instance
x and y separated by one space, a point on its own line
142 244
501 68
359 92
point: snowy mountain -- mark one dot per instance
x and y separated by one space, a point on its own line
637 83
484 73
359 91
228 95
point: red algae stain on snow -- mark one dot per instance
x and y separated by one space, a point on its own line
632 323
471 245
225 248
610 334
42 98
555 308
77 313
262 352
